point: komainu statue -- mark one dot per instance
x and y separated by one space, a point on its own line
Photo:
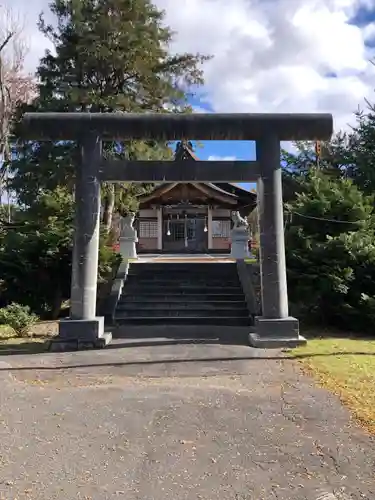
238 221
128 237
126 225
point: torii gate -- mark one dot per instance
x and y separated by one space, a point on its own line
275 326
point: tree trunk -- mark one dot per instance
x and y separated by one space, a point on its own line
109 207
56 305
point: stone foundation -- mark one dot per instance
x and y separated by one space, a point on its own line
77 334
276 333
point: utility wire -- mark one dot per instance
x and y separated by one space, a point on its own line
288 219
322 219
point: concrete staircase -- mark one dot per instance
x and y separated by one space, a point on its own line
183 293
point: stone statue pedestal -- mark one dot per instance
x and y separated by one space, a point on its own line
240 243
127 247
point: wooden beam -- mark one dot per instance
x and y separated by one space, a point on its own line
170 126
158 191
179 171
211 193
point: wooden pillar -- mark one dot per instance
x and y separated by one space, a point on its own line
209 227
160 227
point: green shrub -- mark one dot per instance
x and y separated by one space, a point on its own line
18 317
109 261
7 332
330 250
44 256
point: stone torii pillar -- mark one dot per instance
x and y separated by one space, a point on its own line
274 328
83 326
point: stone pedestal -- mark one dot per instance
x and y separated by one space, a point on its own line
127 247
276 333
75 334
240 243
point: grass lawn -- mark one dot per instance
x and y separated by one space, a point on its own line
251 261
18 345
38 341
346 367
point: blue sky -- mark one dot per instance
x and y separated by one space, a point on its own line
241 150
268 56
362 18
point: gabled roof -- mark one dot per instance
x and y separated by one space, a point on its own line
206 189
223 191
184 151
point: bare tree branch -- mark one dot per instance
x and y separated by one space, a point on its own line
6 41
16 86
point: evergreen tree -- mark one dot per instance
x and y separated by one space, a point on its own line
330 249
361 150
111 56
348 155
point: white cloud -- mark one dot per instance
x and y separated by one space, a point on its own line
269 55
221 158
275 55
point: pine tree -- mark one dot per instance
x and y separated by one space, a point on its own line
362 150
330 249
348 155
111 55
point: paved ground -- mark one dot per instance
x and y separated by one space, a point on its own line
219 422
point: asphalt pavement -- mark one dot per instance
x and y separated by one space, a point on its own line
159 420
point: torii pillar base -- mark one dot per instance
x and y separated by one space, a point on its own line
276 333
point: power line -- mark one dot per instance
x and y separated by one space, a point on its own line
322 219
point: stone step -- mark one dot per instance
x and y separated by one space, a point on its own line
178 281
135 289
181 264
224 268
125 304
170 272
183 294
185 271
181 297
176 313
201 333
184 320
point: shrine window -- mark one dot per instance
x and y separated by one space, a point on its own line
148 229
221 228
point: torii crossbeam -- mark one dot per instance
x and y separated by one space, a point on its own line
275 327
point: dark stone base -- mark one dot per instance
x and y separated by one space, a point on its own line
276 333
81 334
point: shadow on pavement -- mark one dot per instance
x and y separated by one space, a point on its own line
172 361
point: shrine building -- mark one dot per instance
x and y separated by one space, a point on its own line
190 217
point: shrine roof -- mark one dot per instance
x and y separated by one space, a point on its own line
220 190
